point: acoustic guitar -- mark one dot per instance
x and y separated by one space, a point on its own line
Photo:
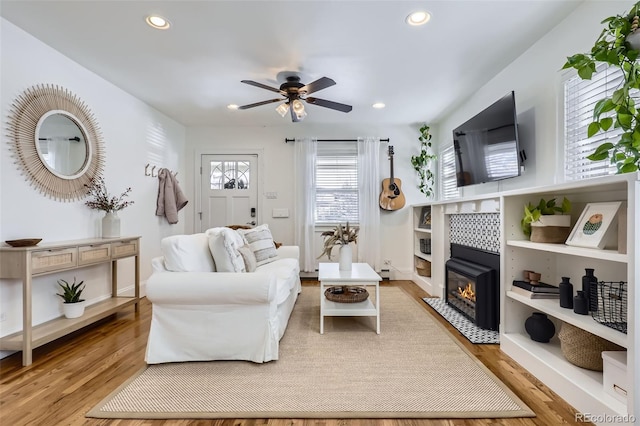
391 197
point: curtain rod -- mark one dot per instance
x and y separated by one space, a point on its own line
287 140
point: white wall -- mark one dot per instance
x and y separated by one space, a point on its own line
278 176
134 135
536 79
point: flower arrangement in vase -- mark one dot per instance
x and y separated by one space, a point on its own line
102 200
340 236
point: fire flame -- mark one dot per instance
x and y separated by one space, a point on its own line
467 293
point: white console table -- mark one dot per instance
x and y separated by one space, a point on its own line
25 263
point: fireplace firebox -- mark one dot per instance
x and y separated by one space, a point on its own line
472 285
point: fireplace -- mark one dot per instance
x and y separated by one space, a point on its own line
472 285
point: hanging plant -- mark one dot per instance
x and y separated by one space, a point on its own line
420 162
617 46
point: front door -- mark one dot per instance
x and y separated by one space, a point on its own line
229 192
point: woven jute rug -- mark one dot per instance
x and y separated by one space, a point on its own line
413 369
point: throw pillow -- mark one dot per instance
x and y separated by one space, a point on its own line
187 253
249 258
261 243
224 244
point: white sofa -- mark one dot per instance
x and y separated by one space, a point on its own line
202 311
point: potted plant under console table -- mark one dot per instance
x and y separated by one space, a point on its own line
25 263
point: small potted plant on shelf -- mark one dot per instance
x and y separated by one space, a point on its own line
541 223
73 306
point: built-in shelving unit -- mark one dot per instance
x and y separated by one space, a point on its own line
420 231
581 388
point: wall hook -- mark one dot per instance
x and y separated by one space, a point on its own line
146 170
152 170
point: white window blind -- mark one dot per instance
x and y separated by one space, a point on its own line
580 97
448 181
337 183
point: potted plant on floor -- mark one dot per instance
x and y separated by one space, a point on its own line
73 306
541 223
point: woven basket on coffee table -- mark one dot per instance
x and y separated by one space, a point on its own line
582 348
346 294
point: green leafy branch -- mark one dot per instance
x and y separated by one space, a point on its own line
420 162
619 109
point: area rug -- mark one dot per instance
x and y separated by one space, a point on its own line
413 369
468 329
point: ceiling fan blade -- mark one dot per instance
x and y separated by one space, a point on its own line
270 101
319 84
262 86
329 104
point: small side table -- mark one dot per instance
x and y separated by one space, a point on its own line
361 275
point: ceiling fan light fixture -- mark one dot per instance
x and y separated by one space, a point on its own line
298 109
157 22
282 109
232 106
420 17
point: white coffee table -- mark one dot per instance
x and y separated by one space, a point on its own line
361 275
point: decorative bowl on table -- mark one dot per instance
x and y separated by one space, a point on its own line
24 242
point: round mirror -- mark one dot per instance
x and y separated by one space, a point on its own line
56 141
62 145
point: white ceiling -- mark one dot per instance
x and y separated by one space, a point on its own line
193 71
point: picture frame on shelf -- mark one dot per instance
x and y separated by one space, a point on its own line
595 225
425 218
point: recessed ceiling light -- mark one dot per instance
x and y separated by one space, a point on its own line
418 18
378 105
158 22
232 106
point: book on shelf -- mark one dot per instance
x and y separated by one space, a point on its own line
532 295
536 288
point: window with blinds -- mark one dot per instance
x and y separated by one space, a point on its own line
448 181
580 97
337 183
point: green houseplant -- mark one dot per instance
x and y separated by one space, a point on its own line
420 162
541 224
73 306
618 45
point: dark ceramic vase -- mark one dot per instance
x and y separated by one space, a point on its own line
590 289
539 327
566 293
580 304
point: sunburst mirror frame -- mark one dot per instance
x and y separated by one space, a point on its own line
25 115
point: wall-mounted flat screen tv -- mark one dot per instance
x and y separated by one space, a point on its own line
487 147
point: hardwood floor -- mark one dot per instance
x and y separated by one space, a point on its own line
69 376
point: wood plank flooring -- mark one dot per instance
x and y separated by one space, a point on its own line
69 376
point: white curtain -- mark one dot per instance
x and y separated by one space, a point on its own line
305 200
368 201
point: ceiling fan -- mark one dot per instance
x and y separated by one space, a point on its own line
295 93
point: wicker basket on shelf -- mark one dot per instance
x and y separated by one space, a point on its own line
423 267
582 348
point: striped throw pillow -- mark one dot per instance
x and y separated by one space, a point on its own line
260 240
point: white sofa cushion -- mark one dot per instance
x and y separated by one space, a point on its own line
187 253
261 242
224 244
286 271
